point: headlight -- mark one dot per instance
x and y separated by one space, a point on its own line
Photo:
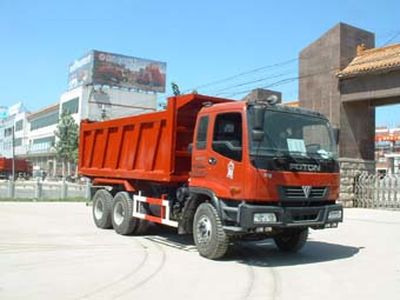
335 215
264 218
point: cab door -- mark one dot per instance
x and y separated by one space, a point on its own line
199 169
225 170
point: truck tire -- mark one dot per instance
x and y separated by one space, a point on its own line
208 234
291 240
102 207
121 216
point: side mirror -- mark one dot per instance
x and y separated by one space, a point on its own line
336 135
257 135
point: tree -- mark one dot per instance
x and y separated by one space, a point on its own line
67 140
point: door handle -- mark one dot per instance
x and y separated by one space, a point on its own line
212 161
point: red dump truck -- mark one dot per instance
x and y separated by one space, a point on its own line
23 168
216 168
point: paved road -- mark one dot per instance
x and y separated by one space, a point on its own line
53 251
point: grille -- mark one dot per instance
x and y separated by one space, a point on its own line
297 192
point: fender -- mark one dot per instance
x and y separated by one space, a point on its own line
186 222
210 194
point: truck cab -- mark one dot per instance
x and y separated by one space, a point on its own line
268 168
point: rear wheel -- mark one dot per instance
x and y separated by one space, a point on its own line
291 240
102 207
122 220
209 236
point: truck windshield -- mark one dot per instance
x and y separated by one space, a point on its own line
292 134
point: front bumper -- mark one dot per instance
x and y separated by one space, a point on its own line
286 217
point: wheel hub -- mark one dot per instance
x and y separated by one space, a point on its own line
204 230
98 210
118 213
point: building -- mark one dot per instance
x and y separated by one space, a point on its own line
99 103
41 139
14 118
387 150
101 86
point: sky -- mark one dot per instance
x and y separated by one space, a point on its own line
223 48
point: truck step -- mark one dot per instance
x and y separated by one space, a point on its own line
165 210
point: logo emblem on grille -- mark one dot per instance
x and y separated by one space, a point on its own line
305 167
306 190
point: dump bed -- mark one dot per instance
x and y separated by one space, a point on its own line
152 146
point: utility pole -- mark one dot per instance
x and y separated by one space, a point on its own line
13 152
11 182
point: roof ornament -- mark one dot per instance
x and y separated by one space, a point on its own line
272 99
361 48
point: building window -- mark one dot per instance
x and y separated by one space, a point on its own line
8 132
45 121
42 145
17 142
46 140
19 125
71 106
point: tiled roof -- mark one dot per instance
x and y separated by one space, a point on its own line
372 61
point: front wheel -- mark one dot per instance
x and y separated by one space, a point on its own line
291 240
208 234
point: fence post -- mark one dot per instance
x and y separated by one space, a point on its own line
64 189
389 187
38 189
11 189
396 193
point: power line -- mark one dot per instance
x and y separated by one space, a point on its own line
284 81
392 38
219 92
229 78
274 84
279 82
291 79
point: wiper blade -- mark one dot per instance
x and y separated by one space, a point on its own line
313 159
295 157
281 155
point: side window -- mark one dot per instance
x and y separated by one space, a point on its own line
227 137
201 137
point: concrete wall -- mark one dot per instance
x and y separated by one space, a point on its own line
43 190
381 88
357 133
349 170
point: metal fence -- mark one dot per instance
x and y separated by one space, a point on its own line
43 190
377 191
